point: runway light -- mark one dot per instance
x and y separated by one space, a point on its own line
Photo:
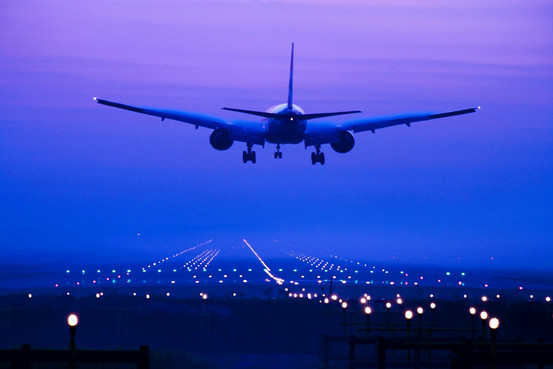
432 305
408 315
388 305
30 296
483 315
344 305
494 323
368 310
472 311
484 298
420 310
548 299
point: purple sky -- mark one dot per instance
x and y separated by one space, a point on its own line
78 179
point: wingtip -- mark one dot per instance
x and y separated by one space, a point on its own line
95 98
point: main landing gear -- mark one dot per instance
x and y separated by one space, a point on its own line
248 155
278 154
318 157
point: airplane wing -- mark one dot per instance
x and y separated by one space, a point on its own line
244 131
330 133
372 124
182 116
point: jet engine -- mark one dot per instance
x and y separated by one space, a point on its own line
345 144
220 139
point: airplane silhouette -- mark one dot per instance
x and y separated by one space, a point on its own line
286 124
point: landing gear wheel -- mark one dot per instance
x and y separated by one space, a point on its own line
318 156
278 154
248 155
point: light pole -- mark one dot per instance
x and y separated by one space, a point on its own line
483 318
408 317
344 307
420 310
472 311
432 307
388 307
72 321
494 324
368 312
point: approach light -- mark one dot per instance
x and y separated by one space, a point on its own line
344 305
388 305
432 305
472 311
483 315
72 320
494 323
368 310
420 310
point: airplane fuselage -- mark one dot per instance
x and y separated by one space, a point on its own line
286 129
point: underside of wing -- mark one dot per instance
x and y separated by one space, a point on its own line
200 120
373 124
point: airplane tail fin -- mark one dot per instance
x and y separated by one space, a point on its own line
290 84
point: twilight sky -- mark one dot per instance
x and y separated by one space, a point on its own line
80 180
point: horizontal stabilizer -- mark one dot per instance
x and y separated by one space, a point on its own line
287 116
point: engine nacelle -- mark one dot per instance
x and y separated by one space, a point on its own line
345 144
220 139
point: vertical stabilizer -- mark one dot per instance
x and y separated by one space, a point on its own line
290 85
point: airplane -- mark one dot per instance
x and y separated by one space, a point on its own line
285 123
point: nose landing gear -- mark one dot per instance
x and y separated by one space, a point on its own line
278 154
318 156
248 155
